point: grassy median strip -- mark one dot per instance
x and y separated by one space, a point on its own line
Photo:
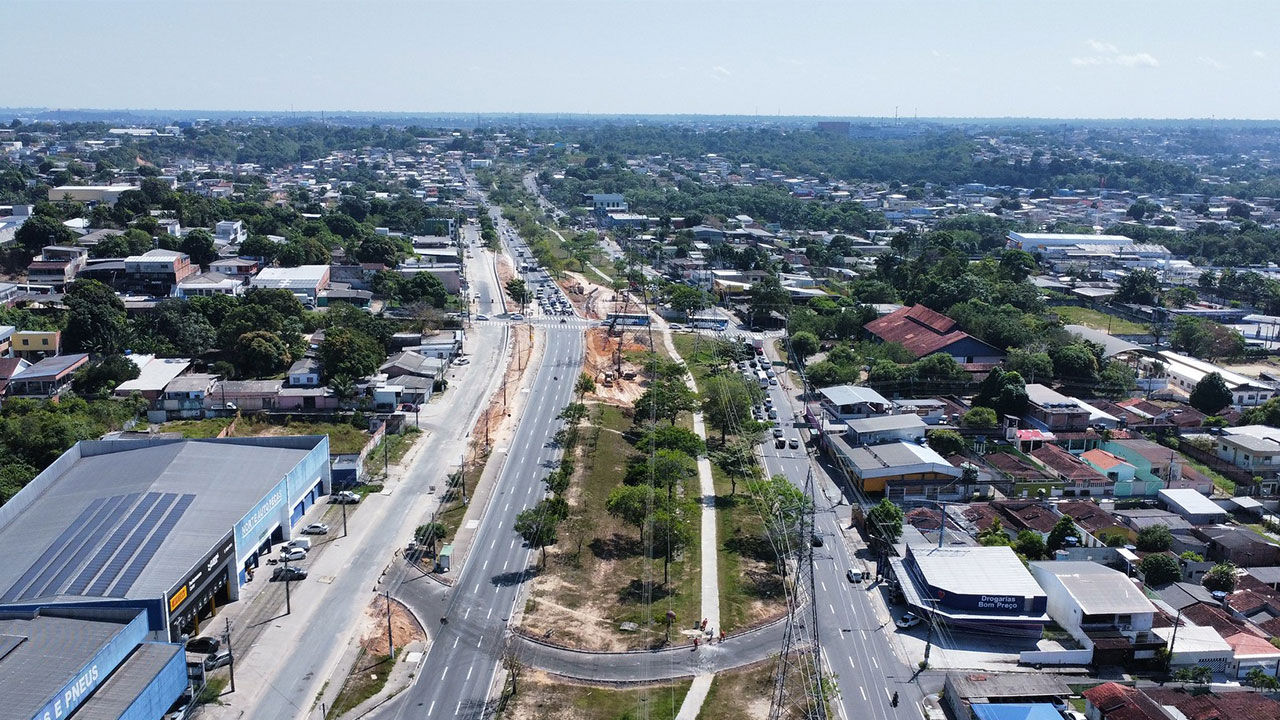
545 696
366 680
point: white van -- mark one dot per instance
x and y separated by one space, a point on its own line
303 543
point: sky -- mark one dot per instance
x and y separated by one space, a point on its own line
846 58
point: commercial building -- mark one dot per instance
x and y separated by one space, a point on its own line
1185 372
1192 506
1103 609
305 280
897 469
1042 242
103 194
885 428
987 589
156 272
963 690
851 402
86 664
170 527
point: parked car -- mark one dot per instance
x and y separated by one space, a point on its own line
855 576
316 529
462 361
288 573
344 497
817 540
517 316
793 443
780 443
303 543
908 620
408 407
777 432
204 645
215 661
293 554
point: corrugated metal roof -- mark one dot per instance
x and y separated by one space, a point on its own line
127 683
51 652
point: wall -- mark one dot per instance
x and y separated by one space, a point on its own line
163 690
1055 657
95 672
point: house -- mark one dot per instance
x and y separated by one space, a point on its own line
1155 467
1253 448
444 345
1185 372
36 344
1119 472
1240 546
230 232
412 363
239 268
183 398
1078 477
155 272
1194 705
6 340
1048 409
304 373
1192 506
885 428
925 332
48 378
210 283
304 281
1113 701
851 402
1252 652
154 375
57 266
931 411
964 689
232 396
10 367
306 399
1101 608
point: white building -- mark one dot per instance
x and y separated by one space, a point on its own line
230 232
1091 601
1042 242
305 280
1185 372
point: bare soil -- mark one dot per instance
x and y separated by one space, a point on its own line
404 628
604 353
541 696
594 300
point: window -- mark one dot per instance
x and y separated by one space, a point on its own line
44 341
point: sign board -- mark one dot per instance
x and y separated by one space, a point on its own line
196 578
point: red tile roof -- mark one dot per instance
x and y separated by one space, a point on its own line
1247 644
917 328
1014 467
1027 515
1214 617
1089 516
1066 464
1210 706
1102 459
1117 702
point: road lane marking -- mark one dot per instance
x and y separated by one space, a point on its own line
850 659
455 640
873 662
486 565
446 672
860 689
480 640
433 707
831 608
467 614
469 671
477 590
824 585
457 709
488 614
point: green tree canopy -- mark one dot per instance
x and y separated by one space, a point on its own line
1155 538
349 353
1063 529
1160 569
1221 578
1211 394
884 522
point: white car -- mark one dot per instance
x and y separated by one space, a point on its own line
482 317
462 361
316 529
293 554
908 620
344 497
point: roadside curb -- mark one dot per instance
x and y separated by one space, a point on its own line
683 647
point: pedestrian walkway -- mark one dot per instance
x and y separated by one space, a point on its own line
693 699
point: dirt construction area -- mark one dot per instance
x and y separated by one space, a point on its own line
593 300
610 360
404 628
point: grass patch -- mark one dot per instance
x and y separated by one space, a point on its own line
1220 481
212 690
740 693
599 566
344 438
365 681
395 447
197 429
749 588
1075 315
541 696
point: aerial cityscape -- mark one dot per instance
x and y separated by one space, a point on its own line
422 378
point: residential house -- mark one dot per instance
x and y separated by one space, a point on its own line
37 344
1241 546
239 268
154 375
304 373
1078 478
184 398
1156 467
1118 471
1192 506
964 689
6 340
1252 448
304 281
9 368
232 396
851 402
924 332
48 378
208 284
885 428
57 266
230 232
156 272
444 345
1050 410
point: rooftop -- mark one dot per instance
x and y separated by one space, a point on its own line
1097 589
920 330
882 423
976 571
852 394
153 373
987 685
1187 500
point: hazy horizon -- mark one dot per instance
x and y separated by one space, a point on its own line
1088 60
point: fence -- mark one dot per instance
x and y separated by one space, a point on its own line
1056 657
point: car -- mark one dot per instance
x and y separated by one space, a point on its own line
780 443
676 326
908 620
854 576
517 316
316 529
773 381
777 432
344 497
816 540
794 444
408 407
563 320
768 401
204 645
482 317
293 554
773 414
290 573
462 361
213 662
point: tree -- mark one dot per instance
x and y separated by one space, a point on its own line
198 244
430 534
349 353
1160 569
1029 365
994 535
1155 538
979 417
664 400
1140 287
518 291
1191 556
767 295
1180 296
538 524
782 505
260 353
662 468
946 442
585 384
884 522
737 460
1063 529
672 437
1211 394
1220 578
422 287
96 320
1004 392
41 230
1030 545
1200 675
685 299
804 345
1075 363
1257 677
103 375
727 401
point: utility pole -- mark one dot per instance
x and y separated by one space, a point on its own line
344 517
231 666
391 648
288 608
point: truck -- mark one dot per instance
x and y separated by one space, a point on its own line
608 379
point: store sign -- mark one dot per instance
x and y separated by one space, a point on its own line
1000 602
251 530
191 584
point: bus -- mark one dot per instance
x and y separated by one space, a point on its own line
615 318
763 378
708 323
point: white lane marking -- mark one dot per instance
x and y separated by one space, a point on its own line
457 709
860 689
446 672
433 707
513 544
850 659
469 671
455 640
467 614
488 614
495 542
831 608
477 590
873 662
504 509
486 565
824 585
479 641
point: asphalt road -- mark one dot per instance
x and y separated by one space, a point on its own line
855 646
461 662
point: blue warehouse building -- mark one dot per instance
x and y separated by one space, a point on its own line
172 528
86 664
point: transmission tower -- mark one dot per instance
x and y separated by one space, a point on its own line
798 690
